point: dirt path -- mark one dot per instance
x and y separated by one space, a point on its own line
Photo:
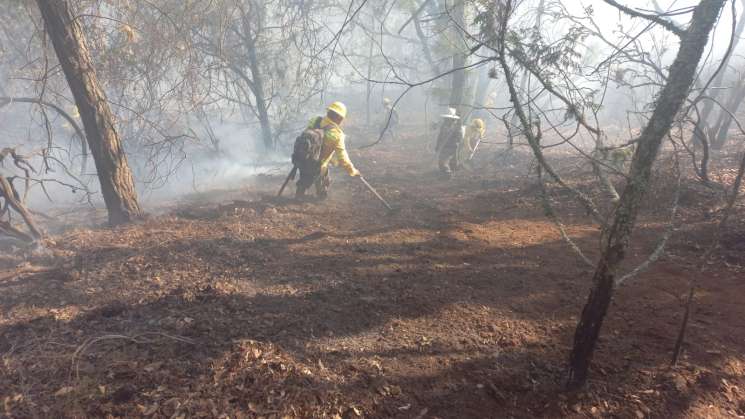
462 304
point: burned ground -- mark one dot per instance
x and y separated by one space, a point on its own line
461 304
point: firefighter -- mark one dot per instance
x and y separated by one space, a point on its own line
333 150
474 132
449 143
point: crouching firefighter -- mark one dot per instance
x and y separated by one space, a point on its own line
321 144
450 144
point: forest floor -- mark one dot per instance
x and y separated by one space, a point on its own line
462 304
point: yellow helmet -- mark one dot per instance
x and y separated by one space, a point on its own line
478 123
386 101
338 108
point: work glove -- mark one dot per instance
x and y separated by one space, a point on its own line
355 173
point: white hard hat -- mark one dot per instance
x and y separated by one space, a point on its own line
452 114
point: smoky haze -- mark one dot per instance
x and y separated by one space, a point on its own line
211 137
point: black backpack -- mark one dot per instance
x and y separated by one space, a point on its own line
307 149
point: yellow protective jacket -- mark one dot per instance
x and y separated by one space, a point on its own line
333 150
472 137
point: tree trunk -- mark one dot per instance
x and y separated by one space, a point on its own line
117 186
257 78
458 83
481 94
368 90
514 122
426 49
720 130
258 90
702 126
719 79
671 98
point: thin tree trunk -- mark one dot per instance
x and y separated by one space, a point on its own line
262 108
256 83
671 98
482 92
702 126
720 130
458 83
368 92
732 200
434 68
719 79
117 186
514 121
684 326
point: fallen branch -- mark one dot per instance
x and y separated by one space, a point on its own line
10 195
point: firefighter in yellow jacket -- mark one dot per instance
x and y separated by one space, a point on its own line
333 150
474 133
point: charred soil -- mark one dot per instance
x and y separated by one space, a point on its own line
462 304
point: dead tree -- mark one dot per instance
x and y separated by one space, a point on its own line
115 177
671 98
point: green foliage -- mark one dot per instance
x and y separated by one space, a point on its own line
549 57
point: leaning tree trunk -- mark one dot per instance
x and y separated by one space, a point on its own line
671 98
117 186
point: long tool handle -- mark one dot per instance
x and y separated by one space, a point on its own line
376 194
289 177
473 153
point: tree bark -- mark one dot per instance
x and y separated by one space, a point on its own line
458 86
671 98
115 177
